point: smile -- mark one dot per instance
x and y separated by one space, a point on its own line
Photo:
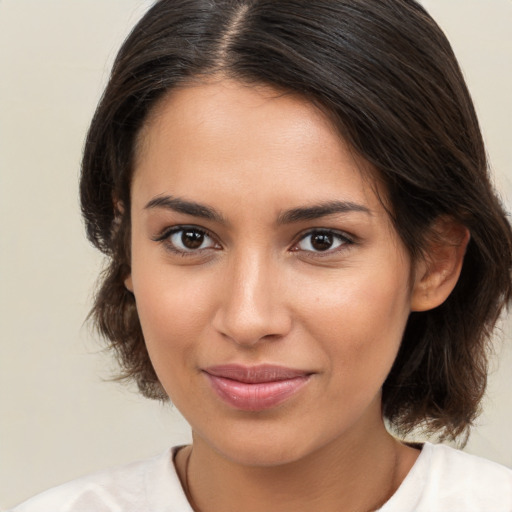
255 388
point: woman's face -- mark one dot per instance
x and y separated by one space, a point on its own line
270 284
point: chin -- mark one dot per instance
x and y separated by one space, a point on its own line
263 455
264 448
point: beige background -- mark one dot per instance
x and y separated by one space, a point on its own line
58 418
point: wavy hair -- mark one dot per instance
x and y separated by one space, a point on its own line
386 75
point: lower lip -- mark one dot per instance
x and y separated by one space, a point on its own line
258 396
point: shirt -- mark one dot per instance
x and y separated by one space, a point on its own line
442 480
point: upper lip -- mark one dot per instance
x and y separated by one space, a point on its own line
255 374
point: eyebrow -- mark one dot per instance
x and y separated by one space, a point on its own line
187 207
287 217
320 210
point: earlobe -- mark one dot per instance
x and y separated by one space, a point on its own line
438 272
119 210
128 283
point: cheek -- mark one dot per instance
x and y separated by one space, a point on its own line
360 322
173 309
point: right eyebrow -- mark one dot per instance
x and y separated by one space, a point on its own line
187 207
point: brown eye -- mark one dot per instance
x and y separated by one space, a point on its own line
322 241
189 239
192 239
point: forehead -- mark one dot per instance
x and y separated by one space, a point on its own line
205 136
219 107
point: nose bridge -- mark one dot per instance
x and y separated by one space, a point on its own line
252 306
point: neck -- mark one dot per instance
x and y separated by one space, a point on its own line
356 473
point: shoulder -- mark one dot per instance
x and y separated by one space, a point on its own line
445 479
449 460
476 476
142 485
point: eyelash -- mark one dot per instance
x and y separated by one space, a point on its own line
165 238
344 240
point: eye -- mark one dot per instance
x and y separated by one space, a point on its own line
187 239
322 241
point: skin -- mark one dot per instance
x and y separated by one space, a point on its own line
257 291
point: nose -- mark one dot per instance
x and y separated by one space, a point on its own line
252 305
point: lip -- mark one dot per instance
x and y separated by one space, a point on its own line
255 388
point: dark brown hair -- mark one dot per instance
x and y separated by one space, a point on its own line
385 73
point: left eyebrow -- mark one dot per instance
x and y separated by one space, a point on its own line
320 210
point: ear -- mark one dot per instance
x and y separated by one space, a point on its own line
119 210
128 283
437 273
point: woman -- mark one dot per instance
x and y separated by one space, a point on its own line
304 244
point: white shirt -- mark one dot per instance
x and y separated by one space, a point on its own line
441 480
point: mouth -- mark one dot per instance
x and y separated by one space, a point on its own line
255 388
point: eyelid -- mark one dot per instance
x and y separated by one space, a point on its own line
164 238
347 240
164 235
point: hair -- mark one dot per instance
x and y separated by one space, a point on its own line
388 79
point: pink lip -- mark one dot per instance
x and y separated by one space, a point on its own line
255 388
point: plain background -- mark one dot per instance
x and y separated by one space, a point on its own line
59 418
